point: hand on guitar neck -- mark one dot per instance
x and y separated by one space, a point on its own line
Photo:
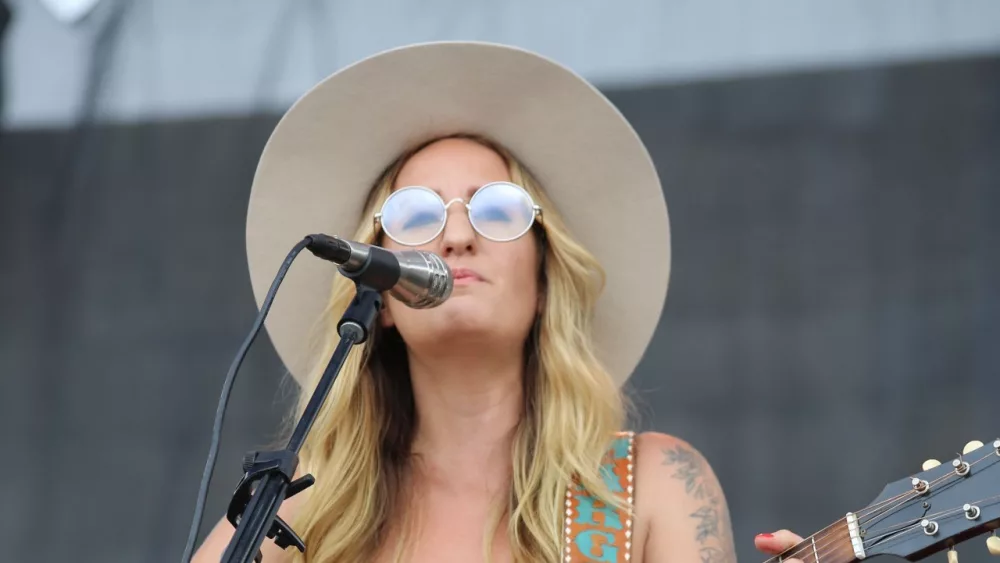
777 543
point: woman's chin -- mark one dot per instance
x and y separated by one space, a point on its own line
458 319
455 322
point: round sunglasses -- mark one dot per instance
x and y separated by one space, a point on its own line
498 211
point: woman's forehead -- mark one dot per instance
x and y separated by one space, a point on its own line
453 154
457 173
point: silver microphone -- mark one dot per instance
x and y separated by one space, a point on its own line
416 278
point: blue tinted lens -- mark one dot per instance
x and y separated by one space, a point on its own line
501 211
413 216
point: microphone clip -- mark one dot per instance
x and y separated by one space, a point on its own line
361 315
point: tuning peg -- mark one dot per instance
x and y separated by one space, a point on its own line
952 555
971 446
993 544
930 464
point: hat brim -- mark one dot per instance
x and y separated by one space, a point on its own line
327 151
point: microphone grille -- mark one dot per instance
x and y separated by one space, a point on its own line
425 279
441 282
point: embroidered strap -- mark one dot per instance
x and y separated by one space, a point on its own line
596 531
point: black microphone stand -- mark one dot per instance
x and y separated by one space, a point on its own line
253 510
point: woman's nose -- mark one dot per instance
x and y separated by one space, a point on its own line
459 237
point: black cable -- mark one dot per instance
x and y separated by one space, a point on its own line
276 47
227 387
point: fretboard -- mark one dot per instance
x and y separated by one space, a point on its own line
830 545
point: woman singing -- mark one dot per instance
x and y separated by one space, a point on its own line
492 427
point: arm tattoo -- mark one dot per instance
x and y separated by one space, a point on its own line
713 531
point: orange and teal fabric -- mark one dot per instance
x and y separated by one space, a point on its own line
596 531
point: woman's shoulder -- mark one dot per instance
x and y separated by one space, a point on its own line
652 450
660 465
679 499
668 464
661 448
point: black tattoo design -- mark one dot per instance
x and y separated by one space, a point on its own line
713 527
688 469
708 523
714 555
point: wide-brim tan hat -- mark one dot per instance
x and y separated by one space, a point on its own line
328 150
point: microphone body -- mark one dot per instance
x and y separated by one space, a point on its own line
416 278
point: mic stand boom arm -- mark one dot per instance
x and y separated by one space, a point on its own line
253 510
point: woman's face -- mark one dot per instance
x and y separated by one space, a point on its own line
495 295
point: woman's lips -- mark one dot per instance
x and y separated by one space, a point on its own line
464 276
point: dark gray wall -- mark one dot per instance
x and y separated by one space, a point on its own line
833 317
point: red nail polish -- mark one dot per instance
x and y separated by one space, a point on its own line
766 536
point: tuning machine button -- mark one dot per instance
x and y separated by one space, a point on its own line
971 511
993 544
961 466
952 555
972 446
930 464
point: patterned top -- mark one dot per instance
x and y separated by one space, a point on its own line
594 530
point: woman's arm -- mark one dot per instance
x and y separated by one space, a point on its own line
684 506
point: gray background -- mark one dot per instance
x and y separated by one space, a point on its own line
832 320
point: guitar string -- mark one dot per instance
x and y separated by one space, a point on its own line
865 516
807 547
936 515
971 465
931 485
812 547
816 554
825 540
942 514
829 545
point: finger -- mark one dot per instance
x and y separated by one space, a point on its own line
776 543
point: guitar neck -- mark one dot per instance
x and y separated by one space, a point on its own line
916 516
830 545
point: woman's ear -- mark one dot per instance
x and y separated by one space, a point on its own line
385 317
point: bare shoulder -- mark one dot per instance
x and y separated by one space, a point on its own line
671 465
669 468
681 508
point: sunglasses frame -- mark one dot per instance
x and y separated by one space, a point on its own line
535 217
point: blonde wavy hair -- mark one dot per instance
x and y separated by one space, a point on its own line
359 448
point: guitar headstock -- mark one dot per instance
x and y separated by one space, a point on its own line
939 507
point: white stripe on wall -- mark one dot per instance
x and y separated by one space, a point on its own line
183 58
